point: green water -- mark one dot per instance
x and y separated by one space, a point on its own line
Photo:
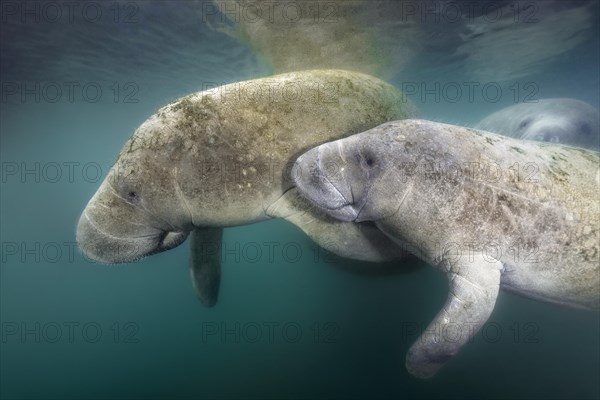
292 321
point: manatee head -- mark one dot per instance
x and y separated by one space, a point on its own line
566 129
565 121
139 208
352 179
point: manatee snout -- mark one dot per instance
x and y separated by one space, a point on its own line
108 232
319 175
550 131
102 247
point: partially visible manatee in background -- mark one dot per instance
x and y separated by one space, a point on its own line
221 158
565 121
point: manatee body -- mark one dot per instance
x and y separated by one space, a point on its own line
488 210
221 158
565 121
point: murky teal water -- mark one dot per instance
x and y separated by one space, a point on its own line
292 321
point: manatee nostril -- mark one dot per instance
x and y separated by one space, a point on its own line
369 162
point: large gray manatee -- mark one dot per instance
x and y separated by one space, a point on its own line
221 158
488 210
565 121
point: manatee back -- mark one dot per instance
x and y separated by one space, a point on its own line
535 204
233 144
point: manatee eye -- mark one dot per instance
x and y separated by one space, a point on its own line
132 196
524 123
366 158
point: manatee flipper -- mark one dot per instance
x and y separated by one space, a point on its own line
205 263
473 288
346 239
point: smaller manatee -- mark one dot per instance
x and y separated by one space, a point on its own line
565 121
489 211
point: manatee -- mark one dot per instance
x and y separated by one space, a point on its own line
221 158
488 210
565 121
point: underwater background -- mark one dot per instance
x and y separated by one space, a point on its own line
292 321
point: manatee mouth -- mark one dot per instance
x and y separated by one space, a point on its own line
315 183
346 213
170 239
104 247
